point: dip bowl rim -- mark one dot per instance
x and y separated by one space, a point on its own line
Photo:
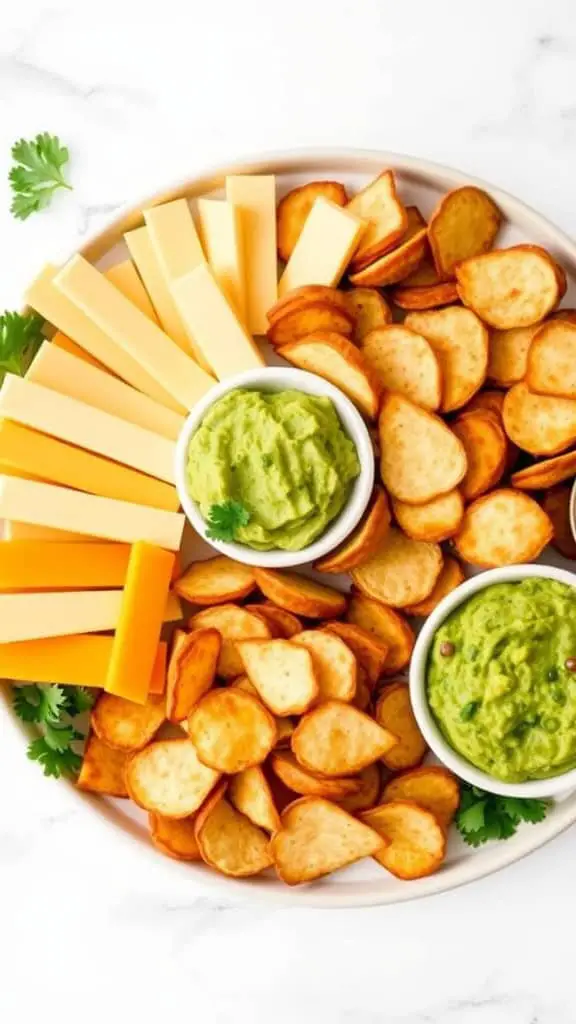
283 379
440 746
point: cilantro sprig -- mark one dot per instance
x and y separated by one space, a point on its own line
37 173
225 519
484 816
20 339
53 709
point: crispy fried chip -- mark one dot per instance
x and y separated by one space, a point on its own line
363 696
317 837
545 474
406 363
388 626
402 572
334 663
168 778
371 652
305 783
229 842
250 794
431 786
174 836
191 671
435 521
421 458
490 401
503 528
300 595
369 309
284 729
294 208
394 712
233 623
231 730
512 287
460 341
216 581
243 683
281 622
387 220
464 224
416 843
551 363
425 275
282 672
308 295
121 724
556 505
338 360
450 578
509 354
367 795
486 448
102 768
400 261
300 321
363 541
337 739
539 424
568 315
431 296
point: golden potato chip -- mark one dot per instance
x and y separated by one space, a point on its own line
229 842
191 671
335 665
551 362
317 837
464 224
301 321
367 795
556 505
338 360
386 625
539 424
308 295
284 729
460 341
167 777
363 696
421 457
294 208
121 724
431 296
378 204
416 843
406 363
231 730
363 540
371 652
243 683
337 739
296 778
250 794
432 787
400 261
369 309
503 528
568 315
486 448
281 622
102 768
233 623
450 578
174 837
283 674
512 287
424 275
394 712
435 521
300 595
508 357
546 473
216 581
489 401
402 572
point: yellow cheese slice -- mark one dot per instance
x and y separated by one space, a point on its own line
65 343
255 195
144 255
29 501
324 248
124 277
221 233
215 325
54 368
50 303
28 531
184 380
69 420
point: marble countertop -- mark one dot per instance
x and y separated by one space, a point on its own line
85 930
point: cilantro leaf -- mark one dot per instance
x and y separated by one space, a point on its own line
484 816
54 762
20 339
52 701
225 519
77 700
26 703
52 708
37 173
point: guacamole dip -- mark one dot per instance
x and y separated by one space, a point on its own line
501 679
283 456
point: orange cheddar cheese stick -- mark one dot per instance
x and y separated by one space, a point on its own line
80 660
28 565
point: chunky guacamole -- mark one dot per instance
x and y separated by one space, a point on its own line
283 456
501 679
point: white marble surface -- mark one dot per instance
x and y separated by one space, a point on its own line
86 932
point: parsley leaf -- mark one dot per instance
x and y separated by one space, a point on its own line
20 339
37 173
225 519
53 707
484 816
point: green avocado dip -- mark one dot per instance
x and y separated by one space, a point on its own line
283 456
501 679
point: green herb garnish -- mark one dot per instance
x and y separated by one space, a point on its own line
20 339
53 708
224 520
484 816
37 173
469 710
